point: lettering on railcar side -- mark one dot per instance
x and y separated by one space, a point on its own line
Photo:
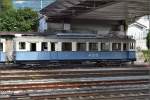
93 55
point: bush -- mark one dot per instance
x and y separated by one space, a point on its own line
21 20
5 5
147 55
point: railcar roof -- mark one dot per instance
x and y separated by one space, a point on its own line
127 38
67 35
24 33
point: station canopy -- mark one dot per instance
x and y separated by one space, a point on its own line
97 9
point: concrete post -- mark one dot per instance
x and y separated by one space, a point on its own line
58 46
74 46
38 46
87 46
110 45
49 46
121 46
99 46
27 46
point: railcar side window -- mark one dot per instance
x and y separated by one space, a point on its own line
116 46
105 46
66 46
22 45
44 46
81 46
53 46
33 47
1 46
93 46
125 46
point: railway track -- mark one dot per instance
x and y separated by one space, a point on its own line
75 84
87 96
97 92
45 74
41 86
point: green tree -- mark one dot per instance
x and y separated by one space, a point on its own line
21 20
148 40
5 5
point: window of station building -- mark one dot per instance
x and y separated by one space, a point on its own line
93 46
66 46
1 46
53 46
44 46
125 46
33 47
105 46
132 46
116 46
22 45
81 46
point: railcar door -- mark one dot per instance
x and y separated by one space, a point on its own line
9 50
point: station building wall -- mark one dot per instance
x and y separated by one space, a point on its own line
86 26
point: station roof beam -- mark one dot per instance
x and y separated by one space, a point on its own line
97 9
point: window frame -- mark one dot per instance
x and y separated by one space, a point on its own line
53 44
63 47
117 46
105 48
81 49
35 47
127 47
132 45
20 46
42 46
91 44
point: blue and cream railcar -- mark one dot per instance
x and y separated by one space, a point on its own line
73 47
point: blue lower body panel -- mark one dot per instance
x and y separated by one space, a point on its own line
64 55
2 57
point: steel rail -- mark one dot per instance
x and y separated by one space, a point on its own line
40 86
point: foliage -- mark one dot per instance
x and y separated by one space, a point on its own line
147 55
148 40
21 20
6 5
